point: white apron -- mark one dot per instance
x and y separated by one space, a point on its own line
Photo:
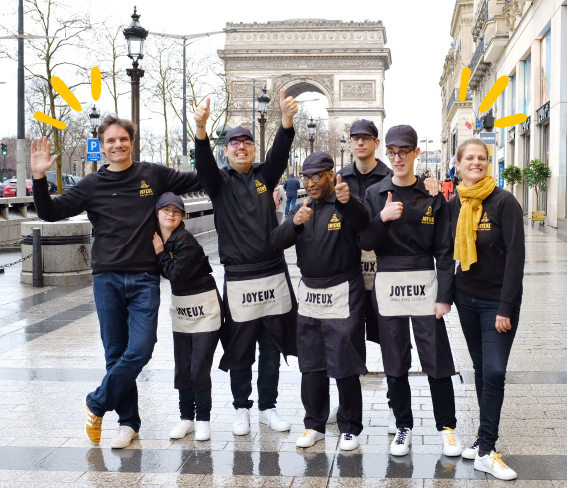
196 313
324 303
368 266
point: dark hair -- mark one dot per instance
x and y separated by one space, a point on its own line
113 119
466 143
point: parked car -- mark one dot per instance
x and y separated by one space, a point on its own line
10 188
2 185
68 181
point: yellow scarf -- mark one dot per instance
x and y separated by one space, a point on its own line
468 220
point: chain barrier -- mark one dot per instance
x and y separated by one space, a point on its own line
21 260
19 241
2 266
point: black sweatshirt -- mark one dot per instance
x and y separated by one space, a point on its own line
498 272
358 182
243 206
326 245
120 206
423 229
183 261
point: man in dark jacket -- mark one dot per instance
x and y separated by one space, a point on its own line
291 186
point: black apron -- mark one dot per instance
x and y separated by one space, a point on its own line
255 295
331 325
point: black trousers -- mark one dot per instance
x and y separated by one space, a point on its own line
315 397
195 404
443 401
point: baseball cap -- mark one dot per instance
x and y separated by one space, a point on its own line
170 198
364 127
401 135
317 161
238 132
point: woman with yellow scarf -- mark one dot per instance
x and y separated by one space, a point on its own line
487 224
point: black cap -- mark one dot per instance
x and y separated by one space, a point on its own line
401 135
317 161
238 132
170 198
364 127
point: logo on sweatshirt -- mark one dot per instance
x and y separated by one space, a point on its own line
484 223
334 223
145 189
428 217
260 187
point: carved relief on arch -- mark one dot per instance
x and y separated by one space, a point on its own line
357 90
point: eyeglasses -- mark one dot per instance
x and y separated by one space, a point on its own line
365 137
315 178
401 154
175 212
236 143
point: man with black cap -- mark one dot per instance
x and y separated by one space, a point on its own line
331 298
411 229
257 293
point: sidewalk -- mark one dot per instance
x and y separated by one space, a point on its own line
51 356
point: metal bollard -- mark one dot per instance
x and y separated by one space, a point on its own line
37 259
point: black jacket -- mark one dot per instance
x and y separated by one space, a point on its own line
358 183
292 185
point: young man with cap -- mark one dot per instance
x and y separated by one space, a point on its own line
257 293
411 229
196 315
331 299
119 200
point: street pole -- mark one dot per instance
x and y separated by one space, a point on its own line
135 74
342 150
21 141
262 124
184 148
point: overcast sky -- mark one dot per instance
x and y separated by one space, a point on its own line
417 34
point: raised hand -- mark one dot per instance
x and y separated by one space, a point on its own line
304 214
158 243
40 158
202 113
342 190
392 210
289 108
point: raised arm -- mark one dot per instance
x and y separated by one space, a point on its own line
205 164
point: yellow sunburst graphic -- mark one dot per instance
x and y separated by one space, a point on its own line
60 87
496 90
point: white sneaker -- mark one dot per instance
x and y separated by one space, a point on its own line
391 423
272 418
309 438
401 444
202 430
348 442
471 451
452 444
123 437
183 428
241 424
493 464
332 419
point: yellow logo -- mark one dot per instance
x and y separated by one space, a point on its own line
171 255
428 217
429 212
334 223
145 189
260 187
485 218
484 223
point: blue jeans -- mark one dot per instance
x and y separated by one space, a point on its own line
489 351
268 376
127 307
290 204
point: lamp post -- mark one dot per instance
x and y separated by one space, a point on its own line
342 143
447 165
263 101
426 140
295 171
311 133
94 118
135 35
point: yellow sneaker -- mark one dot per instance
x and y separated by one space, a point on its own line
93 426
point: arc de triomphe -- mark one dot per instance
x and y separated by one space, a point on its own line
344 61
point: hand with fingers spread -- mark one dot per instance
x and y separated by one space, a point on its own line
41 160
158 243
342 190
201 116
289 108
392 210
304 214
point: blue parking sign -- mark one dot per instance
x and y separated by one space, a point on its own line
93 146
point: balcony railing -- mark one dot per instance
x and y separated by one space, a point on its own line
479 50
451 102
512 134
543 113
526 126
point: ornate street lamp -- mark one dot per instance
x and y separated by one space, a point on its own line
94 118
342 146
135 36
312 133
426 140
263 101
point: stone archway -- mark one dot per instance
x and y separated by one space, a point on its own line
344 61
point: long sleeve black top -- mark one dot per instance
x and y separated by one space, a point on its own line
243 206
498 272
326 245
423 229
183 261
120 206
358 182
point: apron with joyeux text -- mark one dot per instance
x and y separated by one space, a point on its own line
405 286
324 303
368 266
196 313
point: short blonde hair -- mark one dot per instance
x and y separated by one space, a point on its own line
464 144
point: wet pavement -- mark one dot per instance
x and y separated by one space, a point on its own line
51 356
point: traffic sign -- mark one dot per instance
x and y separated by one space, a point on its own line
93 146
93 156
488 137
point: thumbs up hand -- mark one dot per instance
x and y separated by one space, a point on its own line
202 114
289 108
304 214
392 210
342 190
